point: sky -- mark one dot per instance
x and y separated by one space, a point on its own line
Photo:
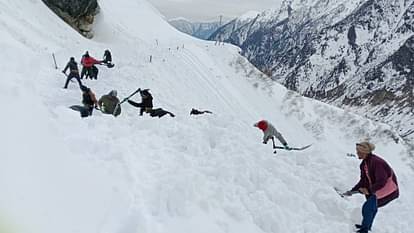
209 10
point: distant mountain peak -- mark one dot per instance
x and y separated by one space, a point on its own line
355 54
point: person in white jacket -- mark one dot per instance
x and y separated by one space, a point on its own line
270 132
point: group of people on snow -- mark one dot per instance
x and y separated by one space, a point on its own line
89 70
378 181
109 103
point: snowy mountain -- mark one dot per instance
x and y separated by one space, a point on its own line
354 54
202 30
203 174
237 30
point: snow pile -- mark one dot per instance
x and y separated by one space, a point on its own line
210 173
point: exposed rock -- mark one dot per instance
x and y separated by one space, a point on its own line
77 13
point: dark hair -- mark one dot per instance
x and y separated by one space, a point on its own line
84 88
145 92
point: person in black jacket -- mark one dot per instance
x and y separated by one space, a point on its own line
73 72
198 112
146 102
159 112
107 58
146 105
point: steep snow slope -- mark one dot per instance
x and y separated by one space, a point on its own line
201 30
60 173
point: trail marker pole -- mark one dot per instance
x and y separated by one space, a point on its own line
54 60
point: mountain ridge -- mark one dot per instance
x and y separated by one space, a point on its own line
323 50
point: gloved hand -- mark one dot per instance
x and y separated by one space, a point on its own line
63 72
364 191
264 142
347 193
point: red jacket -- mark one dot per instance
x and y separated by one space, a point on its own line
89 62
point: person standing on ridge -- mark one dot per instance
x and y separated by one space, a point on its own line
270 132
378 182
73 72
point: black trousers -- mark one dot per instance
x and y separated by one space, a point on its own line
91 72
94 72
138 105
87 111
159 112
71 76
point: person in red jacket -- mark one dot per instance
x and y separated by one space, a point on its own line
378 182
89 67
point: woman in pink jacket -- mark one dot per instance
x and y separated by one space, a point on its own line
378 182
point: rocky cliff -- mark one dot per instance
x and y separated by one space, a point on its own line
77 13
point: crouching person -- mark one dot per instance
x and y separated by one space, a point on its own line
109 103
88 100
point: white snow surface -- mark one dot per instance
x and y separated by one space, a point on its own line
204 174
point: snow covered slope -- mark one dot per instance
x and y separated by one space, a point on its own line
131 174
201 30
